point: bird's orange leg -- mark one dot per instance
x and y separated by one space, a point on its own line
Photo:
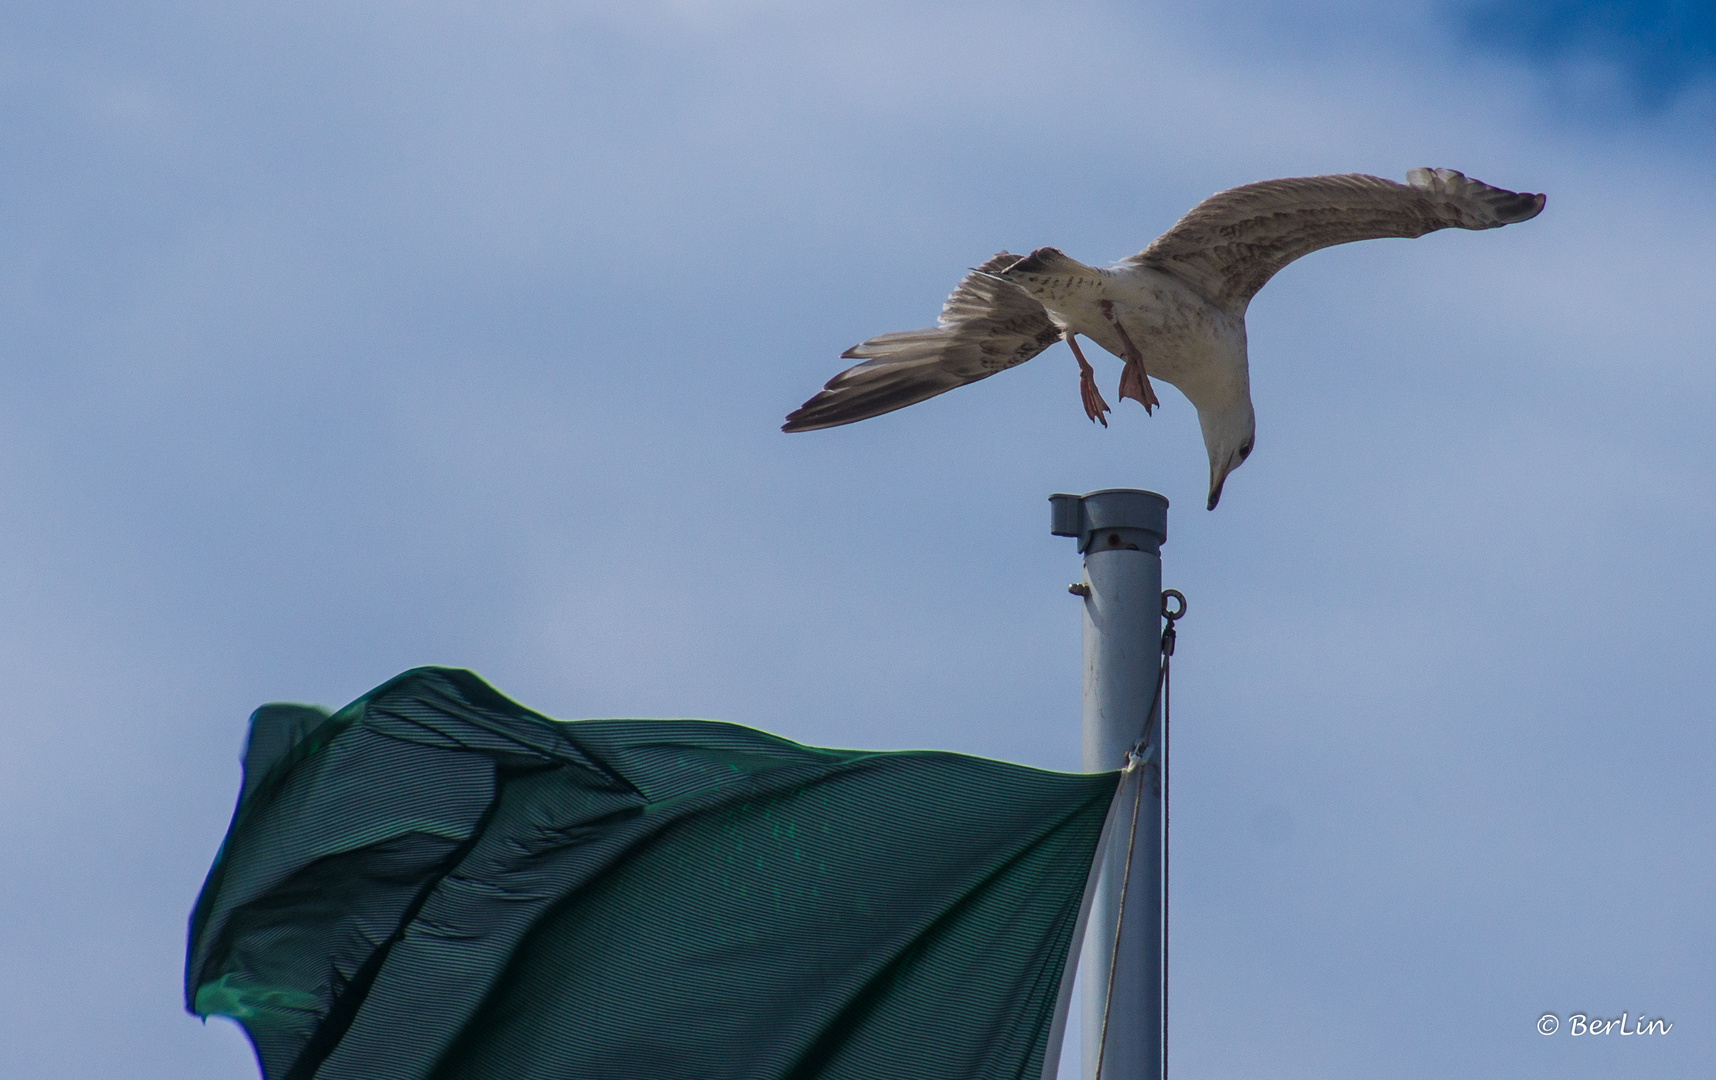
1094 406
1134 380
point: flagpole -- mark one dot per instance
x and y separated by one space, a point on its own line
1120 533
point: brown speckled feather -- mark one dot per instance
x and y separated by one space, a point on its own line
1231 244
987 325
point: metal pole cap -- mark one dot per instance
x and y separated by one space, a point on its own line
1114 517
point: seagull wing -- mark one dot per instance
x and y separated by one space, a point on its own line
1231 244
987 325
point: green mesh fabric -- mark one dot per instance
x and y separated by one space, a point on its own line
436 882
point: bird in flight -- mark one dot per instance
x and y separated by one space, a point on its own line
1175 311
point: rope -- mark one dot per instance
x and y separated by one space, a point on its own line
1167 696
1135 758
1132 761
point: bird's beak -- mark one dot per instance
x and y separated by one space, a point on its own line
1217 479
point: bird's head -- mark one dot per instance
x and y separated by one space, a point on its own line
1229 434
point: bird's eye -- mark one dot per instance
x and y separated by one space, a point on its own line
1245 451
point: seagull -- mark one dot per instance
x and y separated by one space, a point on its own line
1175 311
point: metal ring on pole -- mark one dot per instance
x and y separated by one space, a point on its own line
1177 595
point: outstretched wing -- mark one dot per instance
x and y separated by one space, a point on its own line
987 325
1231 244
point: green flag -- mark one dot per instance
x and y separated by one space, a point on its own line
436 882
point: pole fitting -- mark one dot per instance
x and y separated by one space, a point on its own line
1115 518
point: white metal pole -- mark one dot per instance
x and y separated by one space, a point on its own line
1120 533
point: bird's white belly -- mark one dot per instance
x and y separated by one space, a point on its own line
1184 339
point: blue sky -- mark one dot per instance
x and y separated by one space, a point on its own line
1657 48
340 340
